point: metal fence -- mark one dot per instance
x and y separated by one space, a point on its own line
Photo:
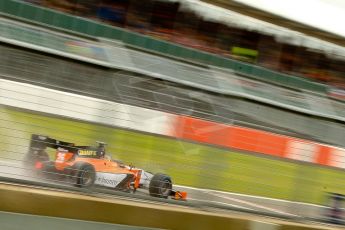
215 177
136 89
72 101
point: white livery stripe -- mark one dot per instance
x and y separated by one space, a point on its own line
109 179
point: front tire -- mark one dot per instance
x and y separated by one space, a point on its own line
160 186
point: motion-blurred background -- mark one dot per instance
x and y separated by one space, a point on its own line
243 107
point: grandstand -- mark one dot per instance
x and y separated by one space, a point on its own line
285 46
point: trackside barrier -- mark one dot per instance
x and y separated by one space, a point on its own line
88 27
20 199
67 205
57 103
258 141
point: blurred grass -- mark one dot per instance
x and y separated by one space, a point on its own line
188 163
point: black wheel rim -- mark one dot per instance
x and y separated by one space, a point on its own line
86 177
165 189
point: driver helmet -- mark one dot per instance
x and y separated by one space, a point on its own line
101 148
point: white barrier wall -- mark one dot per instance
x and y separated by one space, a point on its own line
84 108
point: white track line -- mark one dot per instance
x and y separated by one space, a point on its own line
222 203
252 204
250 196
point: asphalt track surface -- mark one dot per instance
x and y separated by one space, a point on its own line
211 198
33 222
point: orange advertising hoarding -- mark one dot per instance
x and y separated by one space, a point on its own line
257 141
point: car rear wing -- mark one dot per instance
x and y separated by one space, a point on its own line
41 142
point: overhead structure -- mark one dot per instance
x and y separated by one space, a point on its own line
276 20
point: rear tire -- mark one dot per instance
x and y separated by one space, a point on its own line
48 171
160 186
84 175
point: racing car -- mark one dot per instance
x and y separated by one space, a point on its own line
87 166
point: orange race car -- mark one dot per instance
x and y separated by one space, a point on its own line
86 166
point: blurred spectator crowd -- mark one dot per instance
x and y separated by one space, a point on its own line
167 20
